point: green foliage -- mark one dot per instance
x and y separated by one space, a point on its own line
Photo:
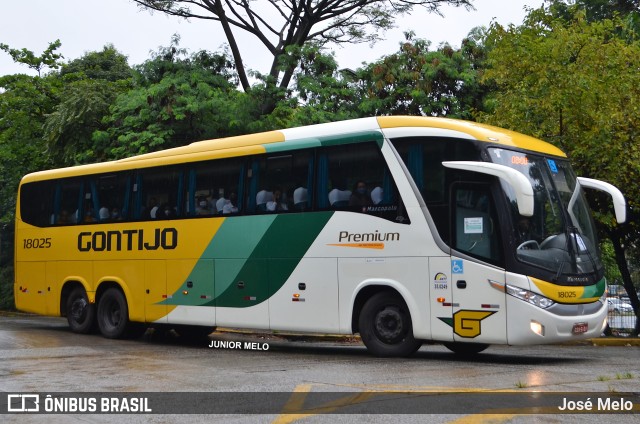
24 101
175 99
106 65
595 10
48 58
69 129
6 288
612 272
575 85
417 81
322 92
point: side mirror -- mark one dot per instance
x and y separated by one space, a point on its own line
619 204
520 183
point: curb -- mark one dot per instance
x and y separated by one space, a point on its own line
617 341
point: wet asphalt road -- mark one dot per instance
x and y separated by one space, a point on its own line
39 354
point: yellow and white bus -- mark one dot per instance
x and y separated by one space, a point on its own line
402 229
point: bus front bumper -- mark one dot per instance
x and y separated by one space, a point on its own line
528 324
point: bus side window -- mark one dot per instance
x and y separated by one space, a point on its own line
68 201
355 177
278 182
158 193
112 196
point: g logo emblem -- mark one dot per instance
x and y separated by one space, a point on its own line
467 323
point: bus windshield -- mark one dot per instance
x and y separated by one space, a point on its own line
560 236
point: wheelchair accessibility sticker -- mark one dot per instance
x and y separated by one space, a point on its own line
457 266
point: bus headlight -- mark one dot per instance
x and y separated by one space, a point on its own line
529 296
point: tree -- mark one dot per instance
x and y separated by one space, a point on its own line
417 81
321 93
576 84
595 10
24 101
91 85
280 25
48 58
175 99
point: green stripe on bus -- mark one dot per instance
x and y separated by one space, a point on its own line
258 253
334 140
232 244
273 260
595 290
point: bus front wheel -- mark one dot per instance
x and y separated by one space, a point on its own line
385 326
81 314
113 314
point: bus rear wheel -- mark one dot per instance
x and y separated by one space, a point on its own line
113 314
81 314
385 326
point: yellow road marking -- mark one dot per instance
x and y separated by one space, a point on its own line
296 402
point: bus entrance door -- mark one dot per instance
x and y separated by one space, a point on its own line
479 313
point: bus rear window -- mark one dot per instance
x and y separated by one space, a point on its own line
36 203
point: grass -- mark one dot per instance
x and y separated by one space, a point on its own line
625 376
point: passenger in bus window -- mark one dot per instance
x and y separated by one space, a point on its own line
230 205
166 212
220 204
202 206
360 196
276 204
115 215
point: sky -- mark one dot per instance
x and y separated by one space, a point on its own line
88 25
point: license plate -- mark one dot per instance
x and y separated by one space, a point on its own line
580 327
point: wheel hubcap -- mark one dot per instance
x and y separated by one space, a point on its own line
113 317
78 309
389 324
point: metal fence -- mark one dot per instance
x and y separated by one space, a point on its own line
621 323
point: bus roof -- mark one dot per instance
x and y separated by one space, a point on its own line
307 136
475 130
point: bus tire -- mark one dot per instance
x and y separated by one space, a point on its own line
385 326
113 314
81 314
466 349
